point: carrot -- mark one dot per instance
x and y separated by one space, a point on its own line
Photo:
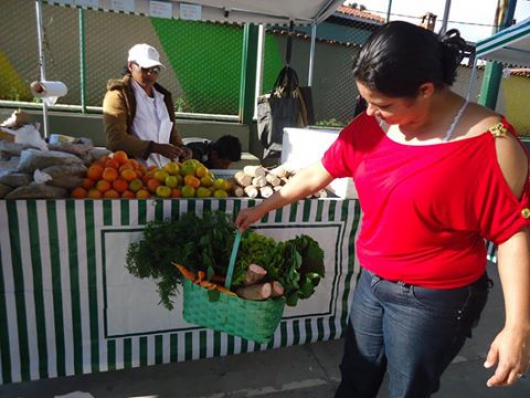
219 279
185 272
224 290
207 285
201 275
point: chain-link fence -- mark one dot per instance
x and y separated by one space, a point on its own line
84 48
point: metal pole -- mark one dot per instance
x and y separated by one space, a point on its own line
445 19
493 72
388 10
42 63
312 54
248 74
82 57
259 66
472 78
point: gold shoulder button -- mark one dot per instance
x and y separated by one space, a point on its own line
498 130
525 213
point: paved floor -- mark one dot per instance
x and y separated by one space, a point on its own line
309 371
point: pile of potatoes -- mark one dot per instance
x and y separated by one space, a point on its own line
259 182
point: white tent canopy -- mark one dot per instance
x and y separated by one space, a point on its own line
240 11
267 11
510 46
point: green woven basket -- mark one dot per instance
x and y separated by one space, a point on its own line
251 320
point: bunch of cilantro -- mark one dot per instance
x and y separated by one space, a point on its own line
198 243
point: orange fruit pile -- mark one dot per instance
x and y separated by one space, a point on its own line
116 176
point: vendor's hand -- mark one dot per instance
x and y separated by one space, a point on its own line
511 352
246 217
187 153
167 150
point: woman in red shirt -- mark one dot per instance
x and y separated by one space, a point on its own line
435 175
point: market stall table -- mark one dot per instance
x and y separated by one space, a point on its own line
70 307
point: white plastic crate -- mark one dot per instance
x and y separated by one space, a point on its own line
305 146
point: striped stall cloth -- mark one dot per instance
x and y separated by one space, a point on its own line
68 305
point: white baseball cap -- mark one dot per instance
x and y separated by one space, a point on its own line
144 55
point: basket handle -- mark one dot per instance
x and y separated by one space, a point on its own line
232 263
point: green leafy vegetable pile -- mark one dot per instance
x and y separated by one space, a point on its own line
205 244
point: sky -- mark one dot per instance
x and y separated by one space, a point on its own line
473 18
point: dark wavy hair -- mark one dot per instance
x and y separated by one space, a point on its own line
400 57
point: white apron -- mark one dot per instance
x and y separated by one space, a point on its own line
151 123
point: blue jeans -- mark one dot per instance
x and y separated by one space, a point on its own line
413 333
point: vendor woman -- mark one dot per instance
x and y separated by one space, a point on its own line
138 112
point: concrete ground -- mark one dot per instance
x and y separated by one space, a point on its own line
309 371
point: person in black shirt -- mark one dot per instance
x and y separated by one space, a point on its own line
215 154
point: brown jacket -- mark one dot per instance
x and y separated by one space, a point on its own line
119 110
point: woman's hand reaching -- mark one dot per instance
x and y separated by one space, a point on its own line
247 217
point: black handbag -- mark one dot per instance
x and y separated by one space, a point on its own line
287 105
278 109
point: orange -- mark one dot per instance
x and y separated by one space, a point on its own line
173 168
188 191
219 183
161 175
135 185
143 194
192 181
128 194
203 192
103 185
88 183
140 167
93 193
187 168
201 171
111 194
103 160
112 163
94 172
163 192
219 193
148 176
79 193
120 185
153 184
110 174
227 185
207 181
129 174
121 157
124 166
176 193
135 165
171 181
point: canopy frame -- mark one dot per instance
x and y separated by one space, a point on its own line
509 46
